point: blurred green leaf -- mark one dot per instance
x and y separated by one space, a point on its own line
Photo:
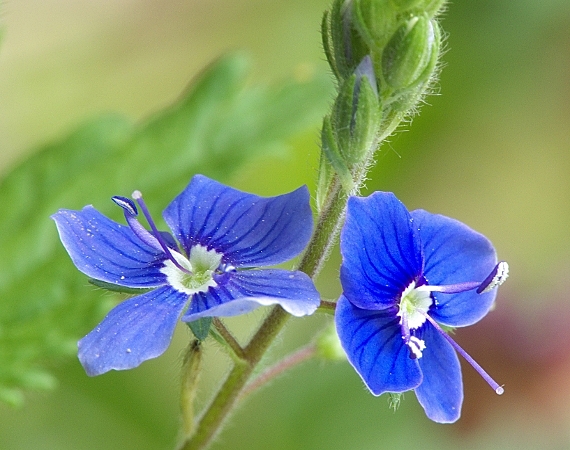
218 124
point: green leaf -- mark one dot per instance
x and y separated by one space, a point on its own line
46 304
116 288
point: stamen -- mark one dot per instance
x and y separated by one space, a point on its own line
131 212
450 288
415 345
127 204
497 277
157 235
496 387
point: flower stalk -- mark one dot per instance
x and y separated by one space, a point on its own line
326 230
366 111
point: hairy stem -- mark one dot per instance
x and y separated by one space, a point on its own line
322 241
295 358
229 338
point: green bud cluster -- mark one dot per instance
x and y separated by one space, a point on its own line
353 125
401 36
384 55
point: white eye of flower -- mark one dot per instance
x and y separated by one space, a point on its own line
200 266
414 305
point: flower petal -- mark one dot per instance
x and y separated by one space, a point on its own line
137 329
248 230
107 251
244 291
380 249
454 253
373 343
441 391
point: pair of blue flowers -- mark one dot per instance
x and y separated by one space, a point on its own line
403 274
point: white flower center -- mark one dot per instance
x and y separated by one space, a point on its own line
414 304
201 266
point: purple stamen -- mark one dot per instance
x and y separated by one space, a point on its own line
450 288
156 234
496 387
131 212
406 334
497 277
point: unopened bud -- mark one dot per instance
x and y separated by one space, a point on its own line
328 345
430 7
356 114
190 376
405 5
333 155
413 48
343 44
376 21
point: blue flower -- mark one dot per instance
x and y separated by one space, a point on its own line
221 231
404 274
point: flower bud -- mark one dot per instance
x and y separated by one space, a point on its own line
190 377
376 21
343 44
356 114
413 48
430 7
405 5
334 157
328 345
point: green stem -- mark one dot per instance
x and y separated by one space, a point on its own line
235 348
326 230
327 307
301 355
210 423
319 247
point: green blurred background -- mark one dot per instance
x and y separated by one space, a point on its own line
492 149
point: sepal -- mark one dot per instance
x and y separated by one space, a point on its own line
335 158
432 7
325 174
201 327
376 21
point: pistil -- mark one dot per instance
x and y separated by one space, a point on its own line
496 387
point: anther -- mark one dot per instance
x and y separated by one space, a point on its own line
497 277
131 212
127 204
